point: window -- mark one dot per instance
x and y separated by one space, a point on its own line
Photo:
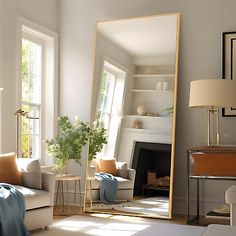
32 68
110 104
106 98
37 89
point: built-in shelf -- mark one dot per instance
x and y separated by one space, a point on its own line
149 117
215 215
149 124
158 188
151 91
147 131
153 75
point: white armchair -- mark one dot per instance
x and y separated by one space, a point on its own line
125 177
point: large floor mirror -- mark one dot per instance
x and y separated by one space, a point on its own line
134 95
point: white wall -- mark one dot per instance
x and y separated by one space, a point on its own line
202 23
42 12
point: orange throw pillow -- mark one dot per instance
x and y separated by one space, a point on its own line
107 166
8 169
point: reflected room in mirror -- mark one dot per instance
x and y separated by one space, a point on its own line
134 99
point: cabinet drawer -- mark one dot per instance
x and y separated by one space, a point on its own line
213 164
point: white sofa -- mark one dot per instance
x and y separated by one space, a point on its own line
125 189
38 202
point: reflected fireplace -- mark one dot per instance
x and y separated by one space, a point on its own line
152 164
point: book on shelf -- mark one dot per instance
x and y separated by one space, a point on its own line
217 215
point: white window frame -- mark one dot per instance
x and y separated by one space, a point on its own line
105 68
118 76
49 89
32 38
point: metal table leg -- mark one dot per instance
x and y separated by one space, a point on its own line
198 199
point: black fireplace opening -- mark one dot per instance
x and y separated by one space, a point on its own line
151 158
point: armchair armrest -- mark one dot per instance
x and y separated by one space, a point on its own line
131 174
48 184
230 198
230 195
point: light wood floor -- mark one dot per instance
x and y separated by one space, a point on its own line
177 219
73 210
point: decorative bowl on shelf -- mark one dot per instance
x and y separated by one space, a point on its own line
137 124
141 110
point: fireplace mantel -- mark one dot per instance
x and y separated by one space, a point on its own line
131 136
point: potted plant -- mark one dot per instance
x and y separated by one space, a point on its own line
72 138
69 143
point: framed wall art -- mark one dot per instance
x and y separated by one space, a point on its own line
229 64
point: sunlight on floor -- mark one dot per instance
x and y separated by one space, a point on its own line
103 229
128 218
76 225
164 210
100 215
103 232
154 202
118 229
158 206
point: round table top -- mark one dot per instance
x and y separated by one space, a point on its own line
68 177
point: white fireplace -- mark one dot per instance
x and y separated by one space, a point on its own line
130 136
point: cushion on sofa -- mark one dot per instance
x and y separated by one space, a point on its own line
31 179
34 198
107 166
8 169
31 175
28 164
122 169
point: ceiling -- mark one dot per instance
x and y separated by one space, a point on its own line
147 36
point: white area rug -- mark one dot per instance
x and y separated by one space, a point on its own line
147 206
86 225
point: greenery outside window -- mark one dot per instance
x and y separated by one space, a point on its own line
31 68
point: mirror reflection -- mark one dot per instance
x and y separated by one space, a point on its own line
134 99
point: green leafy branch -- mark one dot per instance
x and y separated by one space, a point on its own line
73 137
169 110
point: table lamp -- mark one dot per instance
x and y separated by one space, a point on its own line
212 94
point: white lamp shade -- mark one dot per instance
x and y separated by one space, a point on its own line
213 93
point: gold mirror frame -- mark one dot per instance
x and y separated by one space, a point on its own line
88 195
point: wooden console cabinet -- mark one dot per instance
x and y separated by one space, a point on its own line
215 163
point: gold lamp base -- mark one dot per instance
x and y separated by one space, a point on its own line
213 135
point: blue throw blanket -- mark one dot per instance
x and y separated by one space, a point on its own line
108 187
12 211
